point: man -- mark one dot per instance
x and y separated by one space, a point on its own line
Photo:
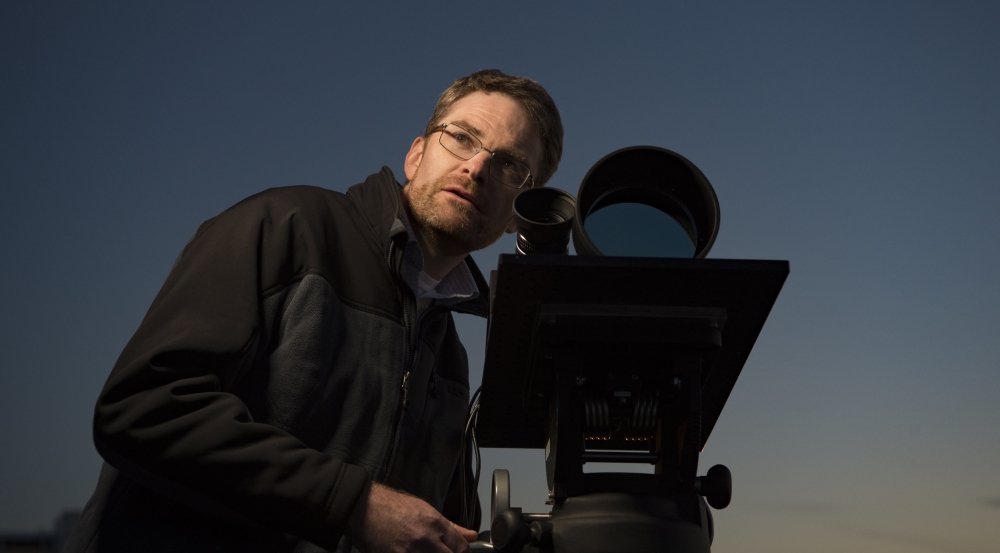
298 384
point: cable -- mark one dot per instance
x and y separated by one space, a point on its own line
469 500
479 467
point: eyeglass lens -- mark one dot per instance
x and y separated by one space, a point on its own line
503 167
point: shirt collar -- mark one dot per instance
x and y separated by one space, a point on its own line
457 286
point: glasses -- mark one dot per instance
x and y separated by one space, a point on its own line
461 143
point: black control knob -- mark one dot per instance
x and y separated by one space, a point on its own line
716 486
508 532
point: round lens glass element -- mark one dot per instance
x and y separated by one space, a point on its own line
637 230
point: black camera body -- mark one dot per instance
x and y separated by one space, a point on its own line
618 358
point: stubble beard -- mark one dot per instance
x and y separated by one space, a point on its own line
447 234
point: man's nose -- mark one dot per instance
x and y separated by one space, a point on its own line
478 167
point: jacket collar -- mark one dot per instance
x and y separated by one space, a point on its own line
380 201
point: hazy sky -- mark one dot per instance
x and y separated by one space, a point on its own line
859 141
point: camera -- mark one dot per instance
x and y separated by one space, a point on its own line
623 353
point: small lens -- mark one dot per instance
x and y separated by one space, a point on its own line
548 218
544 217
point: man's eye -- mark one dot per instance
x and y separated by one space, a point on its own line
507 163
462 138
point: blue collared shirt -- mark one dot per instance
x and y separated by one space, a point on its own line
457 286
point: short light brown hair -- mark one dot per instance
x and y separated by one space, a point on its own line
532 98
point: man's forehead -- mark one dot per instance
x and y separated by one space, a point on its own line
467 126
502 118
496 108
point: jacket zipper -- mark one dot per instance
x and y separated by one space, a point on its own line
409 355
406 389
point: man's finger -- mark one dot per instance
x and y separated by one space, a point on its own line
469 535
456 539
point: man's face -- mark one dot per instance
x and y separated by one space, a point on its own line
456 205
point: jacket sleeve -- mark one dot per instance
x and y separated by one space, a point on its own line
165 417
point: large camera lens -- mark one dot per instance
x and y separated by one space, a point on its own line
645 201
544 219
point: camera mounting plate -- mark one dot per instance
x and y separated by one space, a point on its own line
640 301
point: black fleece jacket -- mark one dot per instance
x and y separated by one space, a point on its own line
266 384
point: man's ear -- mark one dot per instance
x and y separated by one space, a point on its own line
413 158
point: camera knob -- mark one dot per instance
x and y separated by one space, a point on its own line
508 532
716 486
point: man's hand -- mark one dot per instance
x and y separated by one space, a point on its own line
387 521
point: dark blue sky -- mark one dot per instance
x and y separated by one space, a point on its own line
860 141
